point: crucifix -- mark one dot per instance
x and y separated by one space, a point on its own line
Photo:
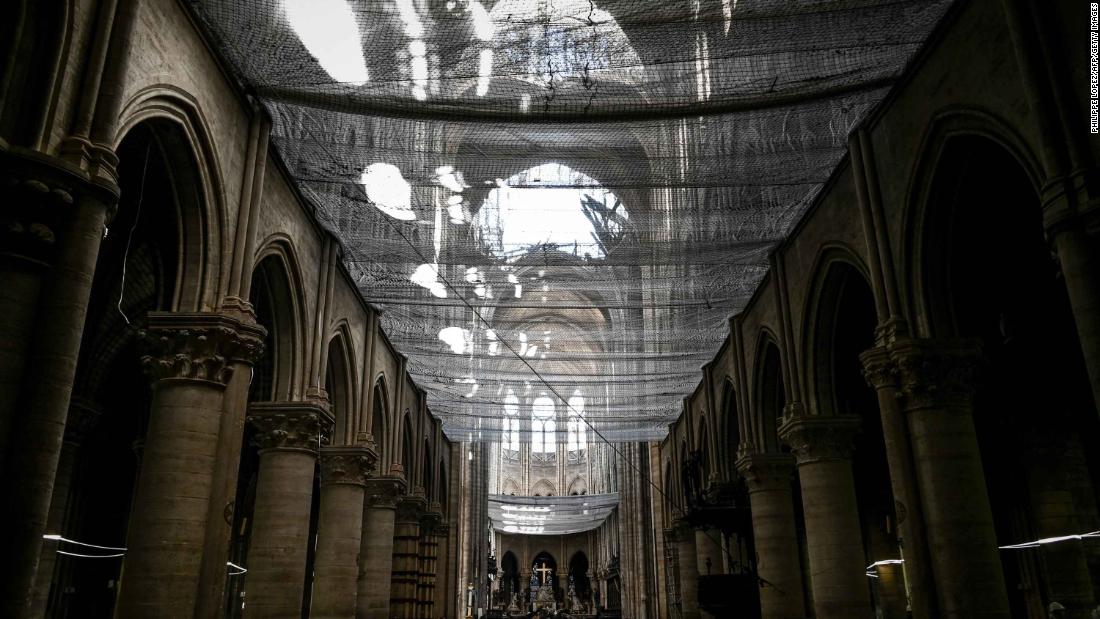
544 573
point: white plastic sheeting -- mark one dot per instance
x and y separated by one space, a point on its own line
550 515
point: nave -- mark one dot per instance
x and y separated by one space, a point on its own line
411 309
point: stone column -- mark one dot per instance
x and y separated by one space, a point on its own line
37 380
775 536
28 223
823 451
188 361
443 574
376 547
83 417
340 530
1079 259
936 385
1055 511
406 555
882 377
219 532
288 435
429 555
684 538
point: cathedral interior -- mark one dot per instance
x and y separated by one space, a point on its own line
632 309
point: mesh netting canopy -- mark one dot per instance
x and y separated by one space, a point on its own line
563 200
550 515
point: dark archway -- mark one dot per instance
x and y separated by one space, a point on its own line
272 299
579 583
845 328
378 423
509 581
338 384
407 444
990 276
771 395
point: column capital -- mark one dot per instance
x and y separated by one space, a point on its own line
384 492
410 507
432 516
41 193
879 369
936 372
1069 201
289 425
346 465
815 438
766 471
197 346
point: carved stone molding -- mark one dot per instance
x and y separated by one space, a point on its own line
289 425
878 368
197 346
766 471
40 193
410 507
820 439
346 465
384 492
936 373
1070 201
432 516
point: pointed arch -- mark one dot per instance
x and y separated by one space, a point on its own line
544 487
340 385
838 271
379 419
275 298
770 396
920 226
184 136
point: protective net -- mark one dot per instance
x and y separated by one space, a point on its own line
563 201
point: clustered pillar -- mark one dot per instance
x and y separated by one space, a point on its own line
288 435
344 473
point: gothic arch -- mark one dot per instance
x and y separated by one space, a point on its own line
837 268
918 213
510 487
543 487
184 136
340 385
732 426
379 419
769 391
408 445
275 294
578 486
